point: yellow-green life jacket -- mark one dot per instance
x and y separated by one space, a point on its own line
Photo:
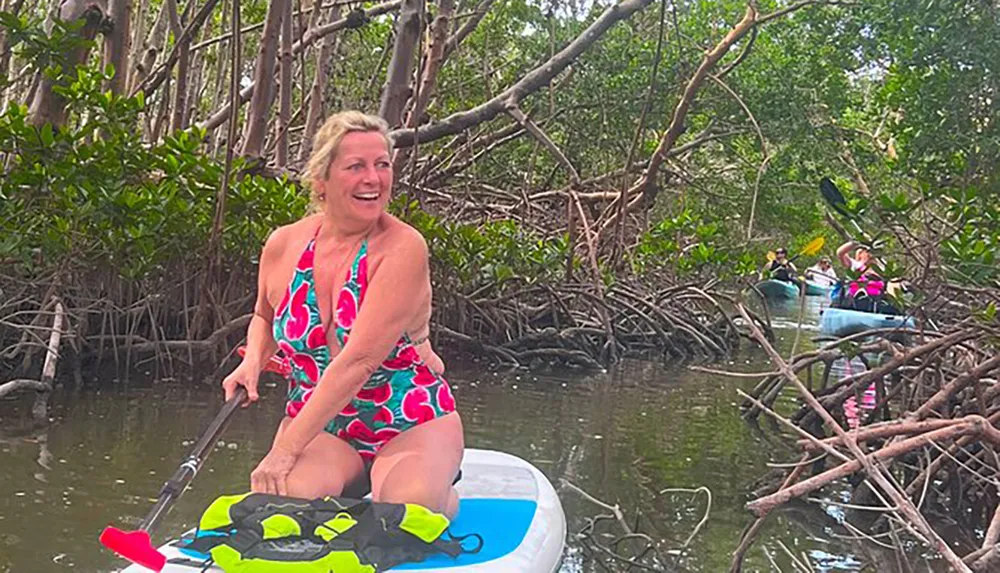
257 533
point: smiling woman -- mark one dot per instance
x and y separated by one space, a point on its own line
367 142
366 398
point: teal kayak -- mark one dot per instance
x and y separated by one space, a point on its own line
773 289
843 322
813 289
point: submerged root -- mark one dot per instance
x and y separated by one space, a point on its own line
620 545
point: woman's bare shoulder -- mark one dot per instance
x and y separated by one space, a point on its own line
402 239
289 234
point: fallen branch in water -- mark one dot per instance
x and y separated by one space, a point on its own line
42 387
874 472
928 443
972 425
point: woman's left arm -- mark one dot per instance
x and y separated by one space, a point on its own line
389 309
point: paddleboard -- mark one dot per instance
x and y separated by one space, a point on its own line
504 499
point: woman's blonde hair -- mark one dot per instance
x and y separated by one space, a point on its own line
327 140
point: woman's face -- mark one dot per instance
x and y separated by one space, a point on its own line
359 180
862 255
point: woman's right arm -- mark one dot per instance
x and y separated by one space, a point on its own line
843 253
260 340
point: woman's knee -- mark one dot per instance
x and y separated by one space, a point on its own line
326 468
313 480
431 496
305 486
399 486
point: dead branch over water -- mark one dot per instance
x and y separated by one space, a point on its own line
923 448
42 386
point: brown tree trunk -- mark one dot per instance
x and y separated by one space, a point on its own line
179 118
260 102
219 116
47 106
117 44
396 91
214 255
13 8
137 40
217 94
196 87
145 57
315 113
285 97
434 59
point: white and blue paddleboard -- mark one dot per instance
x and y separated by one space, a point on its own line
504 499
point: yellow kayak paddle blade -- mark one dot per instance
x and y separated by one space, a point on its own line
813 247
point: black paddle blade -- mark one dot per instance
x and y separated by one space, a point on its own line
833 196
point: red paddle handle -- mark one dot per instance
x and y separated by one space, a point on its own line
274 364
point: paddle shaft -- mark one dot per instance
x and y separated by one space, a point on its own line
174 487
797 255
836 200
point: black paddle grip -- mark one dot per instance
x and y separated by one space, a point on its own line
182 476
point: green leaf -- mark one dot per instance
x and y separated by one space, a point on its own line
990 312
45 133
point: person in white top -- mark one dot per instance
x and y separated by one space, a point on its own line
822 273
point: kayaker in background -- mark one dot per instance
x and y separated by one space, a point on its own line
822 273
780 269
344 294
862 261
865 293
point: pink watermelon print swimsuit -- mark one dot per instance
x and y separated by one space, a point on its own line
402 393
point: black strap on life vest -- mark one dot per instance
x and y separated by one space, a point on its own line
376 538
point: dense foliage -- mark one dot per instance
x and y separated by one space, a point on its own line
896 100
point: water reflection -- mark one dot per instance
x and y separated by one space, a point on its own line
622 436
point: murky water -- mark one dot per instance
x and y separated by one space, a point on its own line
622 436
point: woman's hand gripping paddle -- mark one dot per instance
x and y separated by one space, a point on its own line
811 248
135 545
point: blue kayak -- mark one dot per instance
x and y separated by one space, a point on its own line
843 322
813 289
777 290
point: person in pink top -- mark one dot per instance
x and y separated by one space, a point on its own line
869 285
